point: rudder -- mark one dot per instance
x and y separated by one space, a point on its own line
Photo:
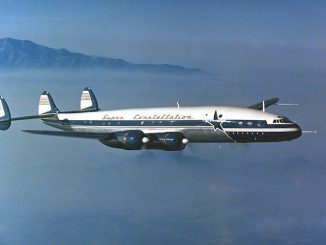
88 101
46 104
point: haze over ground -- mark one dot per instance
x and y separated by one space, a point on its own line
222 36
72 191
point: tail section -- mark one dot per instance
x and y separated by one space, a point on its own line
46 108
46 104
88 101
5 117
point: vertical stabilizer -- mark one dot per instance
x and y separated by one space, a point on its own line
46 104
5 117
88 101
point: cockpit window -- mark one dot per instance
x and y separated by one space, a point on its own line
281 119
286 120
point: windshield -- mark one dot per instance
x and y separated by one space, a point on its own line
282 119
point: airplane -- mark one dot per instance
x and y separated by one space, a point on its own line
166 128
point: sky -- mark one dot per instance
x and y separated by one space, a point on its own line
73 191
213 35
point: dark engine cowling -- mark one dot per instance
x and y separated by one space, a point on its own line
128 140
171 141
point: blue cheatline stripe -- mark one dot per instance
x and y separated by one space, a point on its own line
169 123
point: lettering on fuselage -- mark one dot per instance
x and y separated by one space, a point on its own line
162 117
108 117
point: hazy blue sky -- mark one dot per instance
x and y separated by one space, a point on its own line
72 191
209 34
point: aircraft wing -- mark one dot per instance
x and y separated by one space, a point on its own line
269 102
50 115
86 135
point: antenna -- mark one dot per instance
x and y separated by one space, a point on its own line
287 104
309 131
178 103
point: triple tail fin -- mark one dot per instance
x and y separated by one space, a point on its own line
5 116
46 104
46 108
88 101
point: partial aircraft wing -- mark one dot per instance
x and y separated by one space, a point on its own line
86 135
269 102
50 115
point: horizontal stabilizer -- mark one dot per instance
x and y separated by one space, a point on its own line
86 135
260 105
44 116
6 119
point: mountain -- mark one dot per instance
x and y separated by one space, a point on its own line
27 54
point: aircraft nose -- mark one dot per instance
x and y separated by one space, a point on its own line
298 132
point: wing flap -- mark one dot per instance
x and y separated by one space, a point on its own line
269 102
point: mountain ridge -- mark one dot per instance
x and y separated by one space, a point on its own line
25 54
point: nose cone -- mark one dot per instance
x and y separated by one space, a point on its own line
298 132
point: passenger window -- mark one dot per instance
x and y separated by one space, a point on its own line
65 122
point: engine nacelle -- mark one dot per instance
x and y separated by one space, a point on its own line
170 141
128 140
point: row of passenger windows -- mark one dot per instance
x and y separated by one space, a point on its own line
240 124
252 133
103 123
250 124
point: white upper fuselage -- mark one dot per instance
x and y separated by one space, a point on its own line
174 113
